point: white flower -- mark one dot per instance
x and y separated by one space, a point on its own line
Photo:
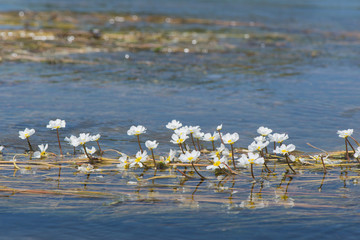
86 168
136 130
26 133
219 150
95 138
173 125
260 139
1 148
264 131
124 161
56 124
345 133
227 152
42 152
211 138
84 138
151 144
189 157
257 146
279 138
90 151
219 127
218 163
230 138
194 129
171 156
184 131
250 158
199 135
176 139
140 158
357 152
72 140
284 149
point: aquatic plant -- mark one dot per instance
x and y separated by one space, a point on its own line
57 124
137 130
250 159
285 150
42 152
231 139
151 145
25 135
345 134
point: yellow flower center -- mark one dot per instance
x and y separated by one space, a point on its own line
229 141
217 163
190 158
258 148
284 197
26 135
43 153
251 160
284 151
212 138
138 159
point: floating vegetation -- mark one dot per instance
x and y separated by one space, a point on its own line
191 173
51 37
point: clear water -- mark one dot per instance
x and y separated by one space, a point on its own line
283 87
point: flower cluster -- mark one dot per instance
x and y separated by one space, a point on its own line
191 149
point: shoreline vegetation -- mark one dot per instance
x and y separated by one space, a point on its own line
52 37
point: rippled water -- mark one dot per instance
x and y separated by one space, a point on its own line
297 72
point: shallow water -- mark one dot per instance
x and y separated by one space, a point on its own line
292 67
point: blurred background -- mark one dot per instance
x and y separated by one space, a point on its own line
103 66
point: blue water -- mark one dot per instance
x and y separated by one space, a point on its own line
283 87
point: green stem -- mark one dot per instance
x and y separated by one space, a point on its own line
192 139
99 146
202 177
288 162
322 160
220 137
347 153
262 155
28 141
86 153
252 171
350 144
58 137
182 149
152 153
233 156
138 138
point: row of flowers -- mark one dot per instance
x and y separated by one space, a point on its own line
187 137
